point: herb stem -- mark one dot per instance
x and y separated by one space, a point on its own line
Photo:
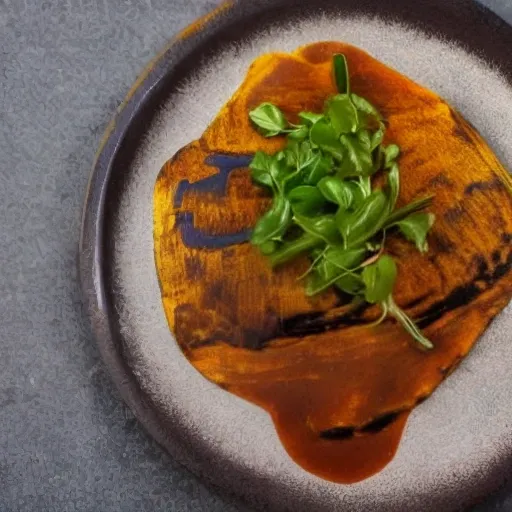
382 317
327 284
403 212
407 323
313 263
291 250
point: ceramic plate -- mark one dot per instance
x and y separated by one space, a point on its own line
457 447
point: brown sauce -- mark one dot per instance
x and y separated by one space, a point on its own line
339 392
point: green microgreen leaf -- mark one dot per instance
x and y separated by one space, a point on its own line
342 114
274 223
324 136
415 228
305 157
306 200
326 274
362 224
359 192
350 283
359 156
379 279
378 136
291 154
268 248
345 259
269 119
279 171
365 106
337 191
260 169
341 75
323 227
310 118
365 139
299 132
390 154
366 184
317 168
394 185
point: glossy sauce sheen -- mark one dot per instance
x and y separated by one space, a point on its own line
339 392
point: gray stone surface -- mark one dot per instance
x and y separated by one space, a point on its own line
67 443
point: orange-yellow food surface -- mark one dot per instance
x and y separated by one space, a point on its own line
339 392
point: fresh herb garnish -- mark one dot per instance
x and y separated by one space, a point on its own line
325 204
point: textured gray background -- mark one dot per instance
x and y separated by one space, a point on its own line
67 443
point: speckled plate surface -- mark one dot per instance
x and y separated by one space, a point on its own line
458 445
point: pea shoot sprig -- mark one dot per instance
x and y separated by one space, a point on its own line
325 204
